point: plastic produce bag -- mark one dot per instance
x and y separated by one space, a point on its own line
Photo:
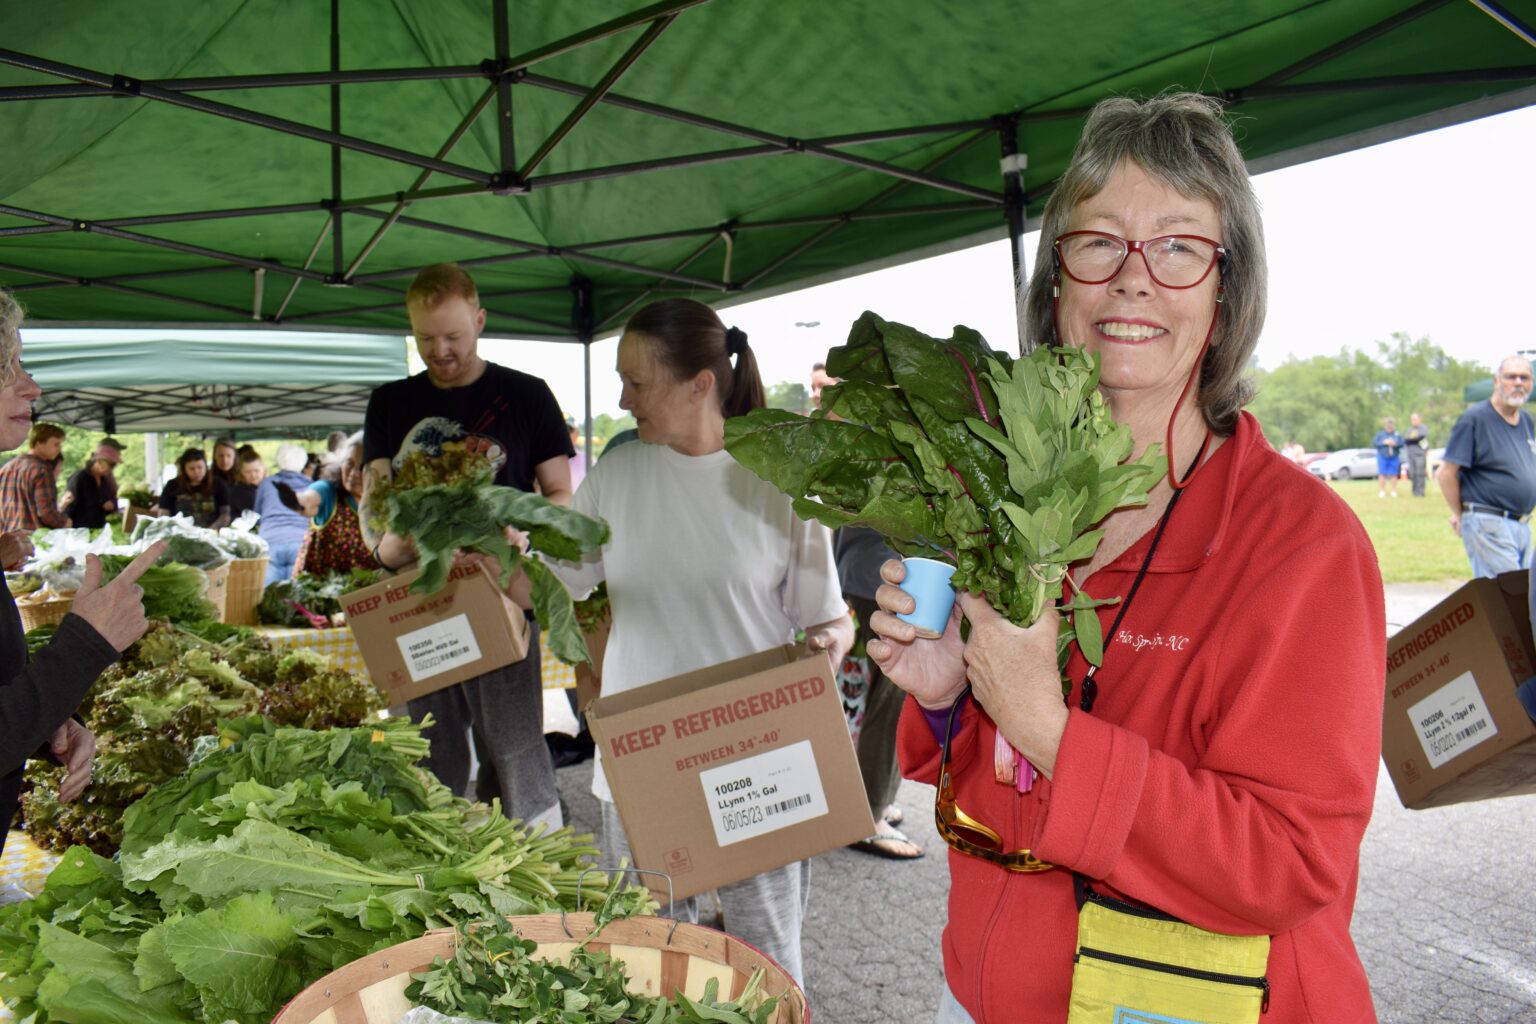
240 539
427 1015
188 544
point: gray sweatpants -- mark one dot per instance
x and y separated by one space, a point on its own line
766 910
502 713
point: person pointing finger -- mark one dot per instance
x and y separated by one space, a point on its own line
116 609
40 692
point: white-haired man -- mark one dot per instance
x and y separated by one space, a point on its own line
281 527
1488 476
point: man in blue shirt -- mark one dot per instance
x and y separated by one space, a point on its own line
1488 476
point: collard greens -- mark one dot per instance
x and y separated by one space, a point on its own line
999 466
462 510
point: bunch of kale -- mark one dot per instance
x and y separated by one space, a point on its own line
448 503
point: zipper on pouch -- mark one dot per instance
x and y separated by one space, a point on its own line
1184 972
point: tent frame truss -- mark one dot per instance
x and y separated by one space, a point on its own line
504 72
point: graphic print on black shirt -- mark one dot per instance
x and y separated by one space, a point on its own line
513 415
429 436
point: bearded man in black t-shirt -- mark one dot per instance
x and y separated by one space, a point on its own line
514 418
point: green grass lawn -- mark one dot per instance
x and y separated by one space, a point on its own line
1413 537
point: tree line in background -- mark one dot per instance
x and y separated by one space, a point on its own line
1332 402
1327 402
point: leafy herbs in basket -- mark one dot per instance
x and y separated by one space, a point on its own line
999 466
447 502
495 977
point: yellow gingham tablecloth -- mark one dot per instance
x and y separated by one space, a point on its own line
24 865
341 648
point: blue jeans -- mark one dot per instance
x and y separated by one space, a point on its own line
1495 544
280 561
950 1010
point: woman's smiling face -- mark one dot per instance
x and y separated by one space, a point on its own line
1146 335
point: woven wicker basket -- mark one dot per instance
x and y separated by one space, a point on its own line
372 990
218 589
247 579
43 613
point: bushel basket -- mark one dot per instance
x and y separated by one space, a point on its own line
659 956
44 613
242 594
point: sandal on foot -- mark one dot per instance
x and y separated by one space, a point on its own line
893 815
881 844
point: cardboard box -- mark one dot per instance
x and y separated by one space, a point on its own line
589 677
414 644
732 770
1453 728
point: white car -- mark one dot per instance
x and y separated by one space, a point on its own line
1346 464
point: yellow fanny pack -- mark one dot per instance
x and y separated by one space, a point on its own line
1135 965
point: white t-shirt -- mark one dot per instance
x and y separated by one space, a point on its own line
706 563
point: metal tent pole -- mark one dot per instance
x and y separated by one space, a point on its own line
584 319
502 29
338 252
1013 165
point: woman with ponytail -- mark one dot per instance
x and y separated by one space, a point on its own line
706 562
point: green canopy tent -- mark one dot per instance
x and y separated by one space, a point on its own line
1478 391
219 384
292 163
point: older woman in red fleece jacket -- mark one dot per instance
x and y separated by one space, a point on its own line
1220 765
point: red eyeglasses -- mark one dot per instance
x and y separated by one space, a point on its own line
1174 261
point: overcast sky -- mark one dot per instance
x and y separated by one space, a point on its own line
1434 235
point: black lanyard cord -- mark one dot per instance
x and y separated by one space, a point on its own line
1090 686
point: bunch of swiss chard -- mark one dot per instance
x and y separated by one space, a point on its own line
309 600
496 976
276 858
998 466
171 689
463 510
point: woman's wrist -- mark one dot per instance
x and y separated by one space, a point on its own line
941 704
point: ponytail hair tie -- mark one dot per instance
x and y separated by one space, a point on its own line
735 341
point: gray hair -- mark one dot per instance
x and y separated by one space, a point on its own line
1184 141
291 457
332 462
11 316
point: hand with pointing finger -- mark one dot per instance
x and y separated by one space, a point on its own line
116 610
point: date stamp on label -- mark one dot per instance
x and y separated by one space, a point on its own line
763 793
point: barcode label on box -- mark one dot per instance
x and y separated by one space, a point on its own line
435 649
763 793
1452 720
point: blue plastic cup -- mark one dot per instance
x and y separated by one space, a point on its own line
927 581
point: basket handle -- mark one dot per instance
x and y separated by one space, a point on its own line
625 870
